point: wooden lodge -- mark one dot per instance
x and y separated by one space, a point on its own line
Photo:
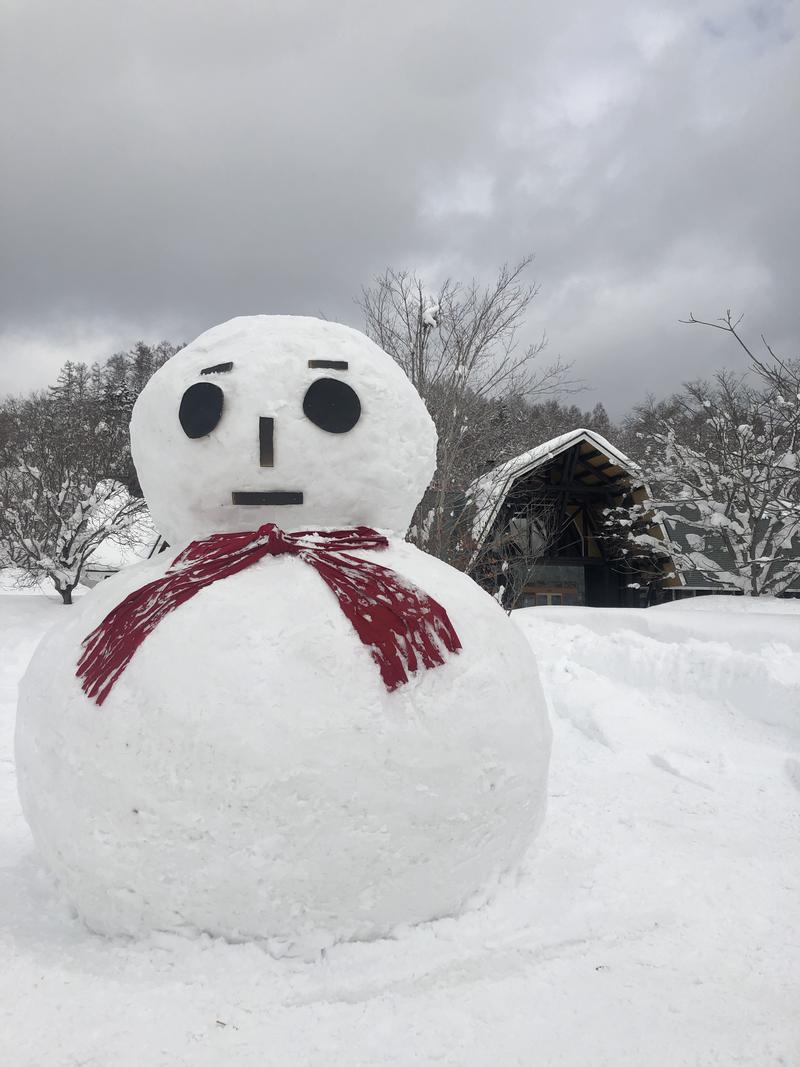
539 528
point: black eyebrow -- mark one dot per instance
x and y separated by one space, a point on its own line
329 364
218 368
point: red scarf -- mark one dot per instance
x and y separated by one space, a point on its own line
402 626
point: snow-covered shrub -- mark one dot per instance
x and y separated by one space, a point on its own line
724 469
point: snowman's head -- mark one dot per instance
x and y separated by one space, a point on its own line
296 421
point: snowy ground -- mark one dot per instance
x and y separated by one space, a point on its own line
657 923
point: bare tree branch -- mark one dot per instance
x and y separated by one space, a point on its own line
459 346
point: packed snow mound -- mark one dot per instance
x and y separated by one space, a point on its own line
235 376
657 908
748 663
736 605
251 776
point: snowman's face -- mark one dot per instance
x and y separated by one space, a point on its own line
296 421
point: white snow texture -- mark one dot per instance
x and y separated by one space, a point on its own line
374 475
249 774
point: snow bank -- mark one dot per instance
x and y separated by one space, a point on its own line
656 922
746 662
736 605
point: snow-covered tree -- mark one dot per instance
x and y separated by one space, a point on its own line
67 482
724 470
59 498
51 531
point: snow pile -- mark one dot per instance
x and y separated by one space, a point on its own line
737 605
656 922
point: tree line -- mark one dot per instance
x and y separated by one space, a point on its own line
67 482
724 452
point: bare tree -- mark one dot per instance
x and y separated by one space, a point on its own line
771 367
460 348
505 562
781 376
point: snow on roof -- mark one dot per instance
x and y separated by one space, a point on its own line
489 491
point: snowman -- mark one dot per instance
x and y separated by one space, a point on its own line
293 726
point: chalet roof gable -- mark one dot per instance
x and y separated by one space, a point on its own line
488 492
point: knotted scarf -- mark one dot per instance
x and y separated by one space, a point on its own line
402 626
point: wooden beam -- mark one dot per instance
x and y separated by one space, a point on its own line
571 463
580 489
601 468
579 561
596 538
567 477
611 481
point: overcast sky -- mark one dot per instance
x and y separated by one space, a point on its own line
169 165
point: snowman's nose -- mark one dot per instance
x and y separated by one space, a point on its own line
265 442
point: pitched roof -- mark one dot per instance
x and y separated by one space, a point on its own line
488 492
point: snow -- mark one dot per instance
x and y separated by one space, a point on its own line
250 775
373 475
430 316
736 605
655 922
17 581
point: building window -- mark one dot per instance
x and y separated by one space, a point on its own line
553 595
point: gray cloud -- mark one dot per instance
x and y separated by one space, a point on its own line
168 165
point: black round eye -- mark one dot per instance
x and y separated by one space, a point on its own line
332 405
201 409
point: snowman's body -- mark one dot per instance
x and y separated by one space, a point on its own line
251 775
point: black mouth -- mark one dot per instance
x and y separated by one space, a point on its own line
267 498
